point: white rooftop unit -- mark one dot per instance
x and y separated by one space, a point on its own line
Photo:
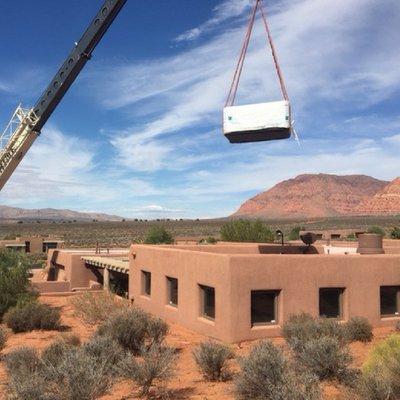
257 122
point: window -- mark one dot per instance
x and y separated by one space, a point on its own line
172 287
330 302
146 283
264 306
207 301
389 296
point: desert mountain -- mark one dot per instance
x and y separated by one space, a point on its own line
316 195
385 202
13 213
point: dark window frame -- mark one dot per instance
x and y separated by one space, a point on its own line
396 288
146 283
276 294
341 291
204 290
170 295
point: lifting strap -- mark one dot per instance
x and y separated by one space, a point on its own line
239 68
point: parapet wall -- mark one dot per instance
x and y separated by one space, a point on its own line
297 277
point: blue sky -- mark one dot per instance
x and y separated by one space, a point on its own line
139 133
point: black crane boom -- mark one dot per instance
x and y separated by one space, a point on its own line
29 122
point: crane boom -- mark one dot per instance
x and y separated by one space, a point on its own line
25 125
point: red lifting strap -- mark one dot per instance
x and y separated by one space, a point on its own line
239 68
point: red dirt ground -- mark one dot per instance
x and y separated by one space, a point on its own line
188 383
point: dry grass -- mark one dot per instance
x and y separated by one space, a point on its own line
95 308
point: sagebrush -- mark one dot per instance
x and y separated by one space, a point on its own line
155 366
134 329
3 338
64 371
358 329
31 316
327 358
266 374
212 360
301 328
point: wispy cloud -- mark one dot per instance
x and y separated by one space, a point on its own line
227 10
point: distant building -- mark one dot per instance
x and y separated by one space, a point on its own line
32 244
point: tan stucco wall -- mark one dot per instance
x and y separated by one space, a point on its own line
234 271
74 270
191 269
298 277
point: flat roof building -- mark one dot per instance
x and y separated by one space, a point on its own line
236 292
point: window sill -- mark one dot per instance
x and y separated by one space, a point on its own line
267 326
206 320
390 317
145 296
172 307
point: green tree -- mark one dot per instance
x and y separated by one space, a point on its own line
15 287
395 233
243 230
158 235
295 233
376 229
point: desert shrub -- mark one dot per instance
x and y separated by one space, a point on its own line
209 240
212 360
377 230
374 387
158 235
153 369
327 358
3 338
25 381
95 308
395 233
33 316
106 349
14 280
301 328
266 374
23 358
75 372
295 233
71 339
381 371
358 329
133 329
351 237
157 330
246 231
54 353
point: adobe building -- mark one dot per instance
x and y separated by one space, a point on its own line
235 292
32 244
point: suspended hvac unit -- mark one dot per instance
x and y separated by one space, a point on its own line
257 122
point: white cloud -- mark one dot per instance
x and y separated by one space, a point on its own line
226 10
55 167
320 58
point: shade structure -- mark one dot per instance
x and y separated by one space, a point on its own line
257 122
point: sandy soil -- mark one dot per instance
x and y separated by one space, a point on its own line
188 383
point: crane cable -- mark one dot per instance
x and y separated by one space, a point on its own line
239 68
